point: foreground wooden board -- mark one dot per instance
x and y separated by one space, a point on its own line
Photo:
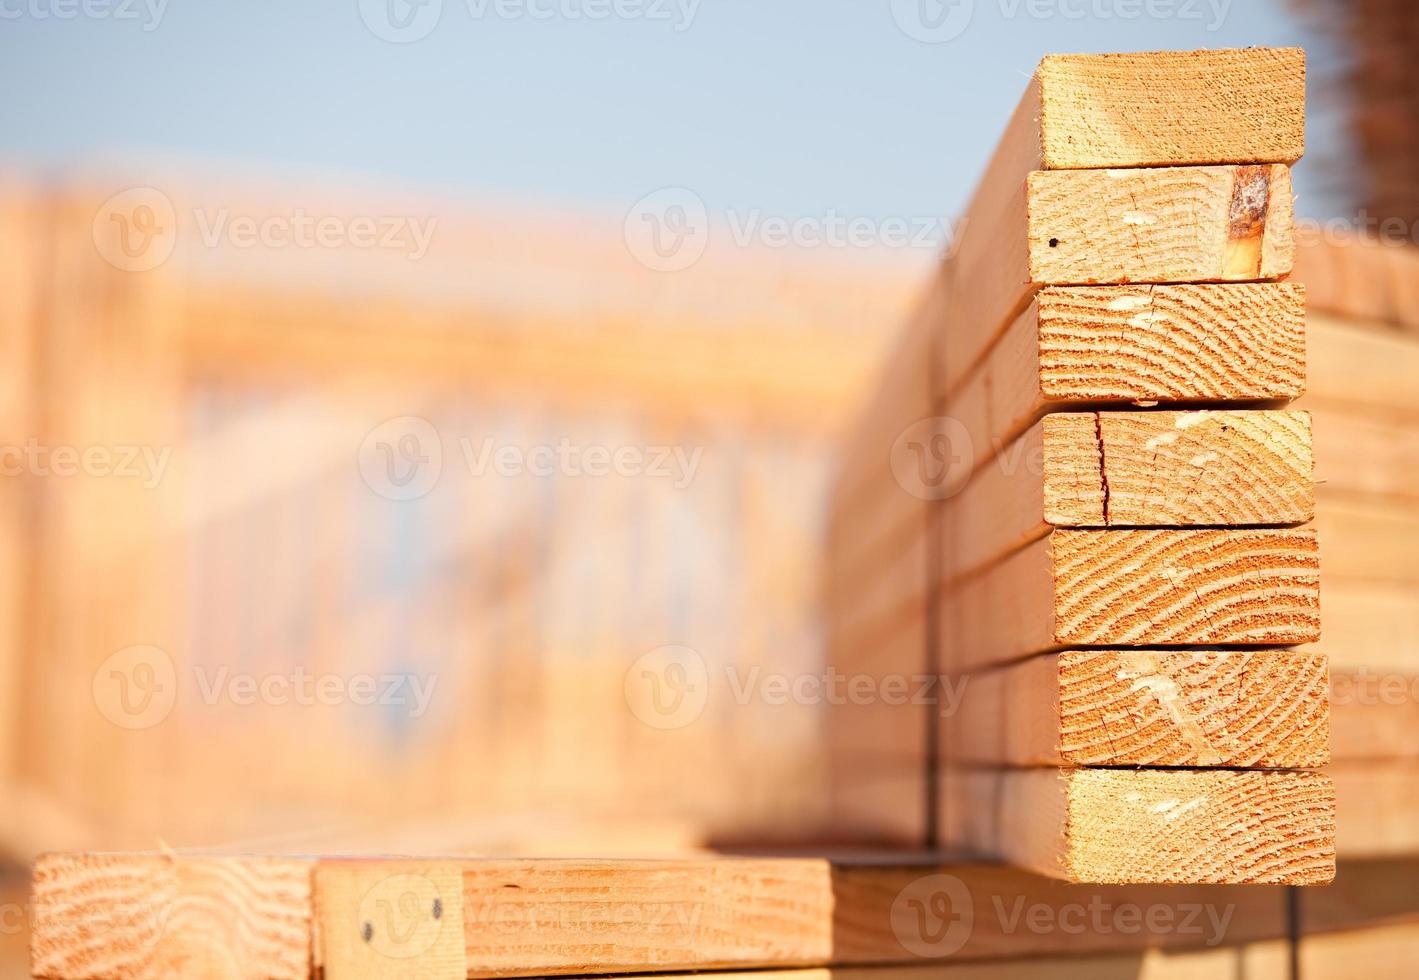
1236 708
1142 469
1136 587
1083 346
1199 826
99 915
146 915
1152 109
1174 224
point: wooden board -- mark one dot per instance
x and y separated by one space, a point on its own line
1121 469
1164 826
1172 224
99 915
1235 708
1136 587
544 918
1172 107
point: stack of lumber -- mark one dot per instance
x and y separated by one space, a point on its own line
1112 565
1364 353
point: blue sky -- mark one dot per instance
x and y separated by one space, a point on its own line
795 106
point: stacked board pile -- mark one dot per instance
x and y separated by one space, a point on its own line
1363 324
1363 297
1093 526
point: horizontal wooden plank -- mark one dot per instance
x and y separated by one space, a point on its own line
1172 107
114 915
1137 588
1174 224
152 915
1140 825
1235 708
1214 342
